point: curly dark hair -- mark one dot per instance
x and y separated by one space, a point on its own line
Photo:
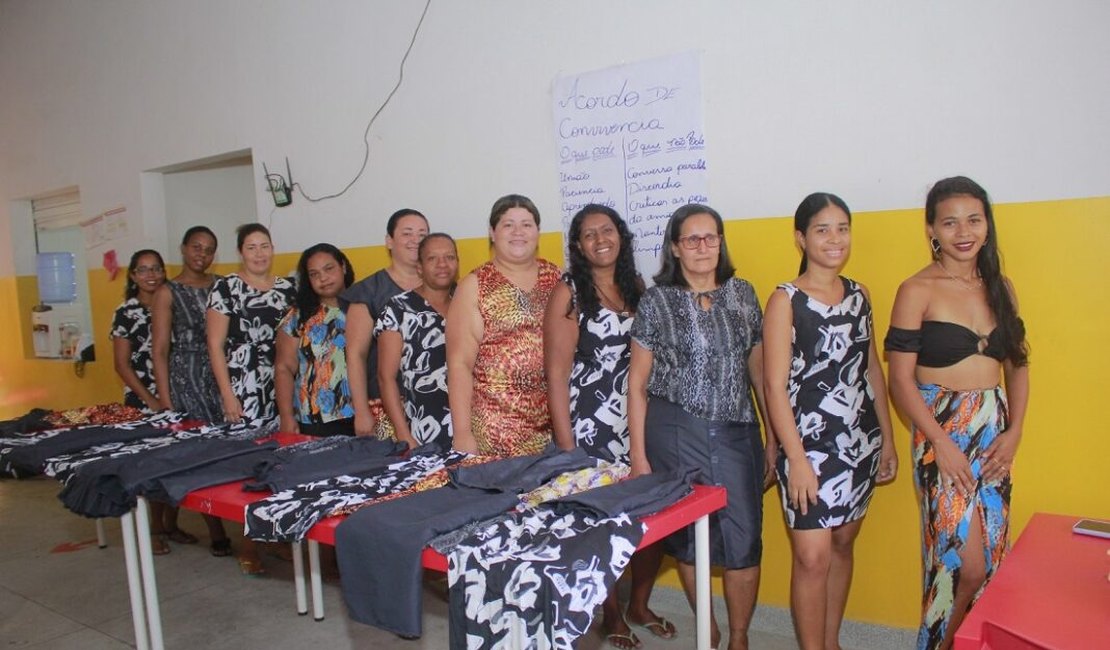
670 269
628 280
989 264
307 300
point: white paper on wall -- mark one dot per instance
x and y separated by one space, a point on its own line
632 137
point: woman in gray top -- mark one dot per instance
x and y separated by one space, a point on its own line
696 356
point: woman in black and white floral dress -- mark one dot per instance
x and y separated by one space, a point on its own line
587 348
826 398
244 310
412 345
131 342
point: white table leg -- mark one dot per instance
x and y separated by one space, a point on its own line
134 581
150 585
701 581
298 579
314 579
101 538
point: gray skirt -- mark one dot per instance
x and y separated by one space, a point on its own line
728 454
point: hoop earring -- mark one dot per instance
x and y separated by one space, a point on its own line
934 244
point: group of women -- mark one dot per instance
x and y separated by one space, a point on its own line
519 355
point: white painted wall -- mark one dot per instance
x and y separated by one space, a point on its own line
873 100
220 198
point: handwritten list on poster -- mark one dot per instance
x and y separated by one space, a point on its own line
631 137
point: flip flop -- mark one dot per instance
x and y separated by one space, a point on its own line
660 628
623 641
251 566
158 544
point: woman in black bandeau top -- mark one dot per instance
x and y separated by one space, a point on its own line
954 331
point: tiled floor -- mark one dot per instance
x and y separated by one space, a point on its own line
59 591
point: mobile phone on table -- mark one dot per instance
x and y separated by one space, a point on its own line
1092 527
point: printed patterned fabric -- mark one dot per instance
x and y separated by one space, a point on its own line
575 482
509 414
323 394
423 365
972 419
834 406
700 356
192 385
111 413
253 318
534 580
132 323
286 516
599 383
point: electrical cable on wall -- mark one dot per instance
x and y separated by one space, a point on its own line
374 117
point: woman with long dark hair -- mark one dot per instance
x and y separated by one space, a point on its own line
131 344
826 397
954 333
587 347
697 355
310 369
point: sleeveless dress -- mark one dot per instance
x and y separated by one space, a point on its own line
252 329
509 415
423 371
599 383
834 406
193 389
132 323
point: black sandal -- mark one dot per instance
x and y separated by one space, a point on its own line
181 537
221 547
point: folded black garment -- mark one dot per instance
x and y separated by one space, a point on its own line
30 459
109 487
33 420
379 549
524 473
320 459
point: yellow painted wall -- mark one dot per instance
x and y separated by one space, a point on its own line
1052 251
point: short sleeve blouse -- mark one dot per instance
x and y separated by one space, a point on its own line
700 356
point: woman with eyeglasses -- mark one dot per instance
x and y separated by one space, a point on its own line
696 358
131 344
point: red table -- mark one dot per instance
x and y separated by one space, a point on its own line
1051 591
229 501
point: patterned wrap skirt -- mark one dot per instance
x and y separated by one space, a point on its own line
728 454
972 419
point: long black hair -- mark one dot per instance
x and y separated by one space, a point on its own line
808 208
670 270
307 300
625 275
131 289
988 263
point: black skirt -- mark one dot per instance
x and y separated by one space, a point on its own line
728 454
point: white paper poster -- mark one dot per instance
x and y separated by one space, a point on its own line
631 137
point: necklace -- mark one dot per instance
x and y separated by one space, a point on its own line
622 310
967 284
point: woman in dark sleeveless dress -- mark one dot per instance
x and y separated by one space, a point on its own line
826 397
182 372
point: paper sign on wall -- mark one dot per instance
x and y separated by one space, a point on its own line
631 137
